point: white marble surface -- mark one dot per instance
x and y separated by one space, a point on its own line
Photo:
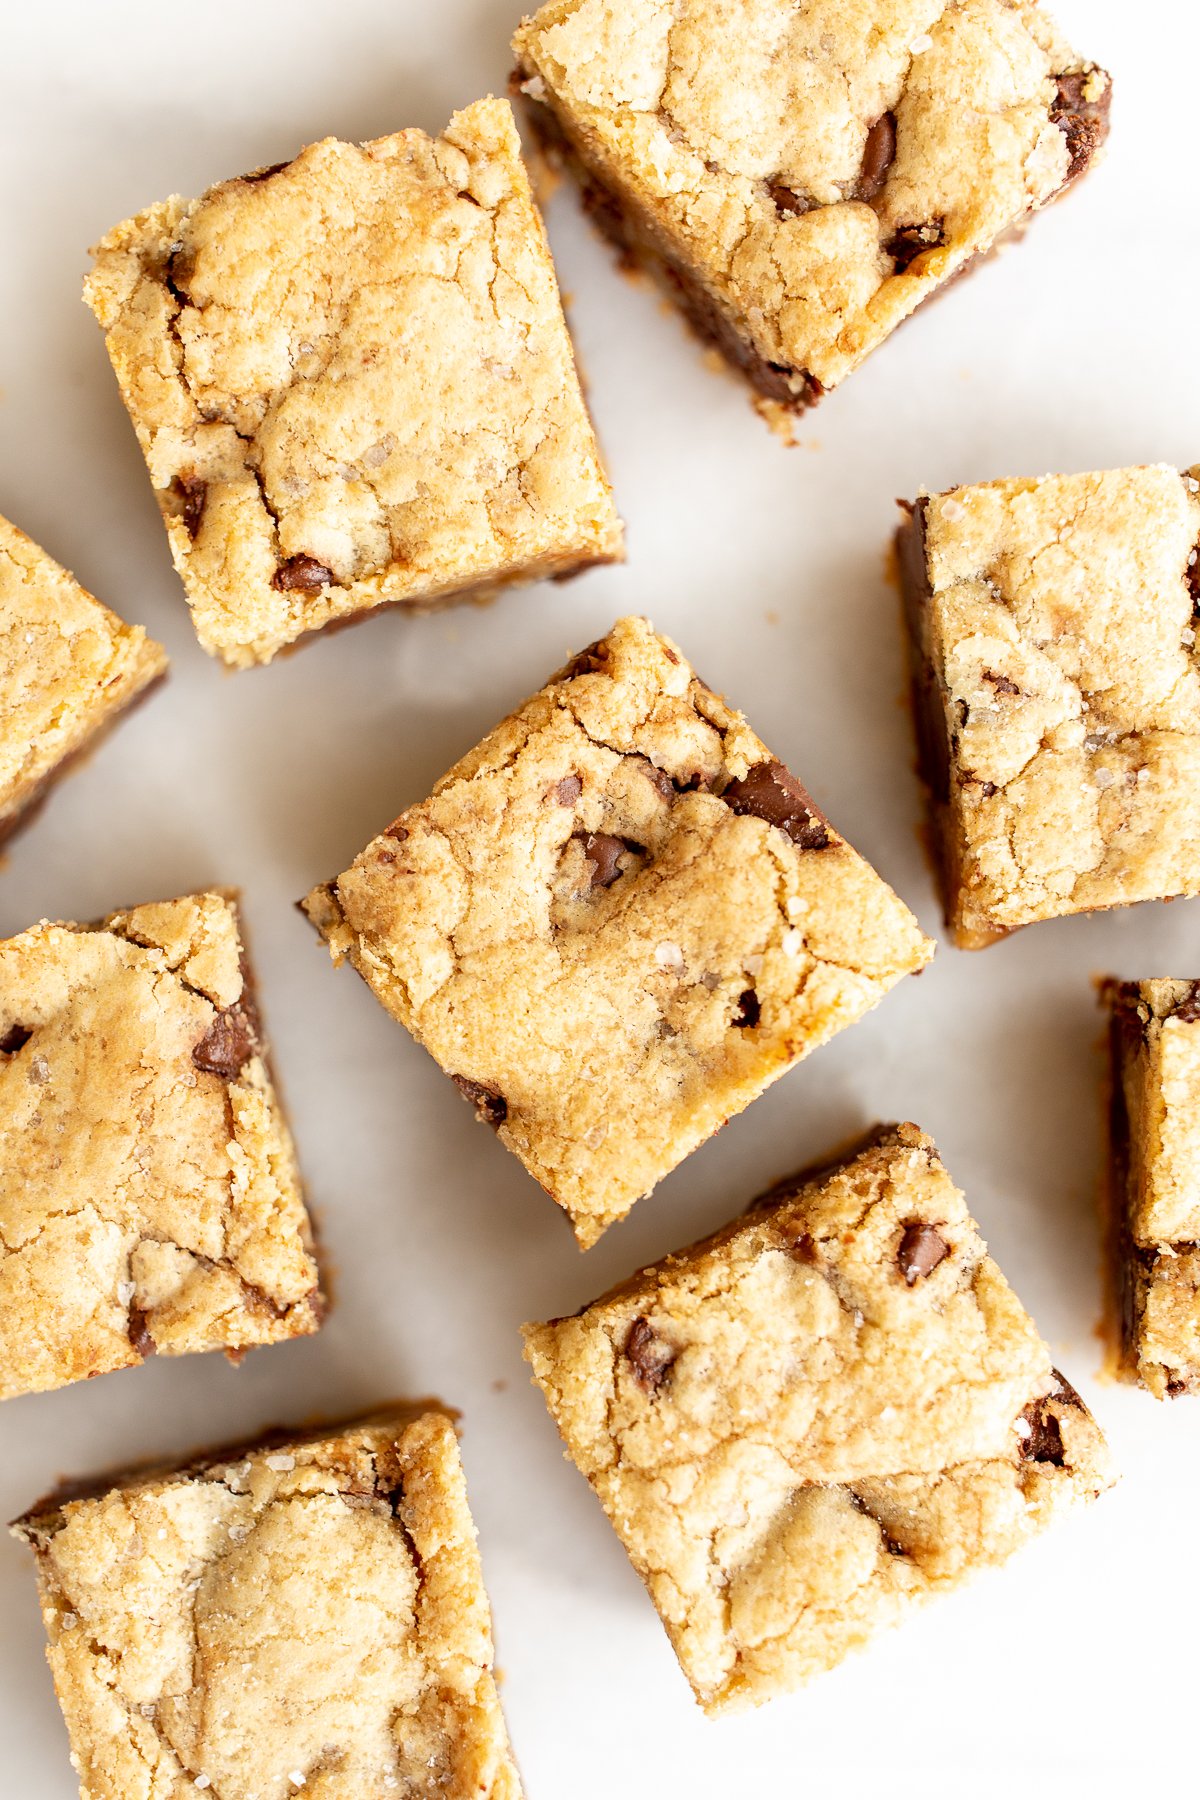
1065 1672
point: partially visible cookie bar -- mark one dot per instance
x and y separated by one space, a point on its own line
802 176
302 1615
616 922
68 669
353 385
1052 625
1154 1180
149 1198
830 1410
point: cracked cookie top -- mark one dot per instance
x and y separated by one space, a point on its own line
819 167
149 1198
302 1615
830 1409
353 384
1058 627
67 667
616 921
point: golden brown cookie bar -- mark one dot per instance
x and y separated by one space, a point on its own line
831 1409
149 1198
616 922
68 669
803 175
1154 1182
303 1615
353 385
1057 690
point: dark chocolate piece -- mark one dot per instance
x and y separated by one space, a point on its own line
301 575
14 1039
194 494
228 1044
921 1249
491 1108
770 792
879 153
649 1355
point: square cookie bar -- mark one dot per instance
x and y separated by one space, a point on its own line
1052 627
353 385
830 1410
616 922
803 173
149 1198
303 1615
1154 1179
68 669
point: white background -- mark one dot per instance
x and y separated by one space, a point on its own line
1074 1669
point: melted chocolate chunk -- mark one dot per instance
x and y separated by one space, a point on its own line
592 661
748 1011
1191 575
772 793
490 1105
659 780
912 241
194 493
1044 1443
649 1355
788 203
14 1039
265 174
139 1335
603 853
301 575
1083 123
568 790
1002 683
922 1248
228 1044
1187 1009
879 153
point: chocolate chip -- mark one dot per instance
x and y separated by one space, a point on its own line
649 1355
1082 122
139 1335
879 153
748 1010
1187 1009
490 1105
1176 1387
568 790
1044 1442
194 493
772 793
591 661
228 1044
912 241
301 575
1191 575
603 853
265 174
399 832
922 1248
788 203
14 1039
659 780
1002 683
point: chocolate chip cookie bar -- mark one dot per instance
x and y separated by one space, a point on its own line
304 1615
1052 626
351 379
803 175
616 922
68 669
1154 1179
830 1410
149 1199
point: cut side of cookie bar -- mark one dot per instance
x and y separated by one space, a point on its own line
616 922
304 1614
1056 683
802 176
69 669
829 1411
1154 1179
149 1197
352 381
